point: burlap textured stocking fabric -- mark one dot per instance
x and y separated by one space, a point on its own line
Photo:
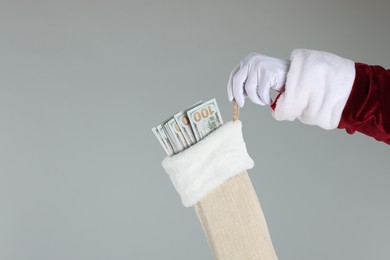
234 223
211 175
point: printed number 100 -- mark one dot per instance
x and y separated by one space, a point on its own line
203 113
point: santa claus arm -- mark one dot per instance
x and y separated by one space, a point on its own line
329 91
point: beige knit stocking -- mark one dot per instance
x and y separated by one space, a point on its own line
211 176
233 221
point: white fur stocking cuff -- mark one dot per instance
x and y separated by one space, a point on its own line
207 164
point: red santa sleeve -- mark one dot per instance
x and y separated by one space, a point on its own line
331 92
368 107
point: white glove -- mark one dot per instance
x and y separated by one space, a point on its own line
255 76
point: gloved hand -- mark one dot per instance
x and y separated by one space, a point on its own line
254 77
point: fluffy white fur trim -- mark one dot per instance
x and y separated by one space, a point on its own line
207 164
317 88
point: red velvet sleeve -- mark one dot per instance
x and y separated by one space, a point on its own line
368 106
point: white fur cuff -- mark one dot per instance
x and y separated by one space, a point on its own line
209 163
317 88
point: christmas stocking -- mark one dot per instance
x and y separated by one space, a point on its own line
211 176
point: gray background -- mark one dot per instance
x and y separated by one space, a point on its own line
83 82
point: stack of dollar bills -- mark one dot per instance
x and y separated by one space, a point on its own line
189 126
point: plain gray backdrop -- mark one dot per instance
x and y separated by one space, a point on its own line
83 82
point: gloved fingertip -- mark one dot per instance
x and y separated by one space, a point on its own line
240 102
257 101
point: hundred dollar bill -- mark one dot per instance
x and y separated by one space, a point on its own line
175 146
167 132
184 124
165 139
175 134
204 118
160 140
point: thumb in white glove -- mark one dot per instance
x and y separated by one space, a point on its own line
254 77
